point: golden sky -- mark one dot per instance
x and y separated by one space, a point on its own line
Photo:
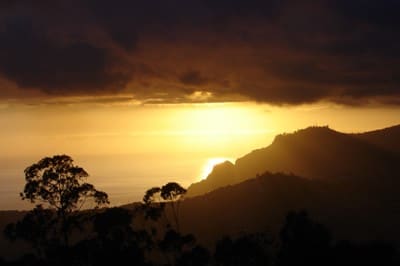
128 127
128 147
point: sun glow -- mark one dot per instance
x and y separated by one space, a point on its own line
210 163
220 126
218 119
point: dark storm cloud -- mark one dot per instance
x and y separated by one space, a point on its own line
193 78
276 51
33 60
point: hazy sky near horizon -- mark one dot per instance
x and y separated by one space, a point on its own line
128 148
205 128
143 91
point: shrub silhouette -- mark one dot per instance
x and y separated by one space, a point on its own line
115 242
248 249
35 228
303 241
198 256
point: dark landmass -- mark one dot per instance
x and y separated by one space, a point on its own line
314 153
354 209
387 138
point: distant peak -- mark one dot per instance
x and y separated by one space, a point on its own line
394 128
226 163
221 167
312 131
315 129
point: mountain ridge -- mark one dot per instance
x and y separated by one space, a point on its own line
354 209
387 138
313 152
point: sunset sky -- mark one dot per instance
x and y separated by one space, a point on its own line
144 92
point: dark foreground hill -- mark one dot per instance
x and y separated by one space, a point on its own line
314 153
359 209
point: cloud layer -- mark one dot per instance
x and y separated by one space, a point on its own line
275 51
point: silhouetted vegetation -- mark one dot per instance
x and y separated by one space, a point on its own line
301 242
37 228
143 234
248 249
155 200
305 242
59 184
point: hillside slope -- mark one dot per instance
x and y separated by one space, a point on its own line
355 209
316 153
387 138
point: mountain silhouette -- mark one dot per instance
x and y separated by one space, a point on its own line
354 209
387 138
222 174
313 153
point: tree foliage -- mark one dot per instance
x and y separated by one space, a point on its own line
171 193
60 185
57 182
149 196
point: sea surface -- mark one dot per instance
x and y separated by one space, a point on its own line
124 177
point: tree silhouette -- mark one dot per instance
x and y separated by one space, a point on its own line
303 241
155 200
173 193
198 256
176 248
251 249
368 254
115 241
58 183
173 244
35 228
149 196
153 209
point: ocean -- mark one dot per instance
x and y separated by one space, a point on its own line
124 177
